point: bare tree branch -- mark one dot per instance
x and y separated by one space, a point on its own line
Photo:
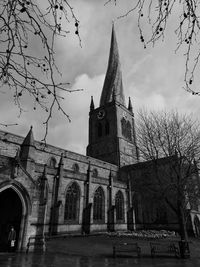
171 143
29 70
158 14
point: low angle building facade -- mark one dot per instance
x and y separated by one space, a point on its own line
46 190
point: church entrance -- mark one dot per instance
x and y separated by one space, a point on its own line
10 215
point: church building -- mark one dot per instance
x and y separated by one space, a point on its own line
46 190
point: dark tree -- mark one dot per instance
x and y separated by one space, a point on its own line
176 139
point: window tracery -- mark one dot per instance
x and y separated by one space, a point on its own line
95 173
98 205
52 162
126 129
72 200
119 204
75 167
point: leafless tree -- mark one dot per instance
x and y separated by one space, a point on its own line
25 25
176 138
158 14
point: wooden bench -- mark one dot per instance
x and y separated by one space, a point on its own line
163 248
126 248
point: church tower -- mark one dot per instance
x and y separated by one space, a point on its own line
111 125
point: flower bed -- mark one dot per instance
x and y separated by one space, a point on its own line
145 234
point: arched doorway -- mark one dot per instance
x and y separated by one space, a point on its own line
197 226
10 215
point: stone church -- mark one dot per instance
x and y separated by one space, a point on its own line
46 190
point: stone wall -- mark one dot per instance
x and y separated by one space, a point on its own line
45 166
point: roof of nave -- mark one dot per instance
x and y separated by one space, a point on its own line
12 142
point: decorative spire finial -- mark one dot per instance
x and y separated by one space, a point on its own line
44 175
130 107
29 139
91 104
61 159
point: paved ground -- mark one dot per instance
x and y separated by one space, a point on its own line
101 245
96 251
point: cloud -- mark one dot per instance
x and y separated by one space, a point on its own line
71 136
77 104
137 66
153 77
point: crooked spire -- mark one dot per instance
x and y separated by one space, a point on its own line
113 79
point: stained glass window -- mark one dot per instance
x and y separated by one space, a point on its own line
72 203
98 206
119 204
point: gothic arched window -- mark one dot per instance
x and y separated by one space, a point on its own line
52 162
107 128
128 130
119 204
99 130
75 167
72 201
95 173
123 126
98 206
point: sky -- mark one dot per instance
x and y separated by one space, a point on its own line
152 77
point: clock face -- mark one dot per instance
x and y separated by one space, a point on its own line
101 114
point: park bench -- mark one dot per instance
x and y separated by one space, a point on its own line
163 248
124 248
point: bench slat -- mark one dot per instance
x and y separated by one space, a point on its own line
126 247
157 248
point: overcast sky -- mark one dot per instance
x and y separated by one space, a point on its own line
153 77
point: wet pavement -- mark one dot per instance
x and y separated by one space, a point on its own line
61 260
95 251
